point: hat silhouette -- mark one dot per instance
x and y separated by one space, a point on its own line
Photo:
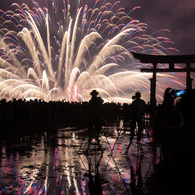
94 93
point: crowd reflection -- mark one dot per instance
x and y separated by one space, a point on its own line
49 163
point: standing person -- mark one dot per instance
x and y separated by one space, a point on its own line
177 175
138 108
95 115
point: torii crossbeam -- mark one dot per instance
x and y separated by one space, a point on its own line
169 59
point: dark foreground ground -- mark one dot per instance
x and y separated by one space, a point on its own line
54 162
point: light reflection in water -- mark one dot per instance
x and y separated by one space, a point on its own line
55 162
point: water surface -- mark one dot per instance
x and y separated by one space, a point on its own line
55 163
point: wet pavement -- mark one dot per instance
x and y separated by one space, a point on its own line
56 163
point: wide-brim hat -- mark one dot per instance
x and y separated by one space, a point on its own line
94 93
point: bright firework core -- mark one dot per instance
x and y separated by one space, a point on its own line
63 52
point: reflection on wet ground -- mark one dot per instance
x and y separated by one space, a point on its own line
56 163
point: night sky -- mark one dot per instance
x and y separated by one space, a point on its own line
176 15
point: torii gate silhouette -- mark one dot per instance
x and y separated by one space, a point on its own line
171 60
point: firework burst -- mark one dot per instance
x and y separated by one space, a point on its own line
47 53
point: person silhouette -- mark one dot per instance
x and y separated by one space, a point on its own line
138 108
95 115
178 172
94 182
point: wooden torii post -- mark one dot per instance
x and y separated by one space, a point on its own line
169 59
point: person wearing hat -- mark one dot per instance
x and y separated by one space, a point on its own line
138 108
95 115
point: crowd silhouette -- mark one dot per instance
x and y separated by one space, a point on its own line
21 114
173 127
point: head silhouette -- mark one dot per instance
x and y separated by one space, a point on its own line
94 93
137 95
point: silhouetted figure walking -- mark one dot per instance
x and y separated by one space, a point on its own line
138 108
95 115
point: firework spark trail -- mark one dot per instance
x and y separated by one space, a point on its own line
46 53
